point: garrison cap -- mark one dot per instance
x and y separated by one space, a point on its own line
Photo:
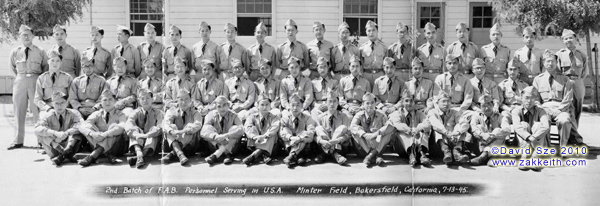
370 24
261 27
57 28
478 62
461 25
429 26
58 94
24 28
343 26
415 62
293 60
149 27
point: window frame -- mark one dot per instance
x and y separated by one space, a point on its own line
130 21
375 16
271 15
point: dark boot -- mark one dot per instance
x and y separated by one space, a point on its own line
320 158
211 159
266 158
423 159
167 158
370 158
340 159
132 160
458 156
481 159
290 160
88 160
446 150
228 159
179 152
252 157
58 159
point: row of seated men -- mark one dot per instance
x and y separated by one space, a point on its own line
304 100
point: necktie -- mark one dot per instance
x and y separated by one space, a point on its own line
237 83
451 80
122 50
260 49
263 122
529 54
143 120
354 82
368 121
487 122
343 49
266 82
295 82
495 50
551 81
291 47
206 85
514 87
94 54
389 82
463 47
60 49
119 78
402 49
175 52
53 77
106 117
149 82
331 121
26 53
179 82
323 84
183 116
230 49
203 48
87 82
61 121
319 45
372 46
296 123
430 49
408 119
443 116
528 117
149 49
416 84
480 87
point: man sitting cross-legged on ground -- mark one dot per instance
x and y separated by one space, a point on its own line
531 123
333 136
488 128
262 130
450 129
181 125
143 128
297 131
222 130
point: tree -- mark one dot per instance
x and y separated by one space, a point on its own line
40 15
552 16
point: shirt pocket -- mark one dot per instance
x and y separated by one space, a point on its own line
437 61
559 90
545 92
382 88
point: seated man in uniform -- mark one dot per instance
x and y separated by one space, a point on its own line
262 130
153 83
510 95
531 124
297 130
419 87
143 128
242 91
182 80
322 85
208 88
268 86
483 86
181 125
388 88
123 86
54 80
450 129
332 133
352 88
58 132
222 130
488 128
104 131
556 91
370 132
455 84
413 131
84 93
295 83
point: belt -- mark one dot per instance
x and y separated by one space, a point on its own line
170 72
320 101
432 71
28 74
403 69
373 70
421 102
157 103
355 101
283 68
574 77
342 72
531 76
496 75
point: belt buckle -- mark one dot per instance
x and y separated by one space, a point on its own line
430 71
28 75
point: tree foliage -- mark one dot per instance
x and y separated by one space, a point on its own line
40 15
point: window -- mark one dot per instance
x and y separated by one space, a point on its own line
483 17
357 13
251 13
434 13
146 11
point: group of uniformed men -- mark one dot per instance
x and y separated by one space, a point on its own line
315 101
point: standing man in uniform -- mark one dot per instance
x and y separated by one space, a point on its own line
172 52
208 89
291 48
402 51
262 130
483 86
332 133
465 50
181 125
70 55
242 91
419 87
495 55
151 49
27 62
232 50
85 90
573 64
352 88
295 83
99 55
181 81
530 57
143 128
222 131
556 91
372 53
455 84
342 52
318 48
388 88
58 132
51 81
258 51
431 53
127 51
204 49
370 132
322 85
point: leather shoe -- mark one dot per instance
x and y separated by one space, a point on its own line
340 159
320 158
14 146
167 158
111 158
87 161
412 160
266 159
290 159
58 160
462 158
140 162
228 159
379 161
211 159
131 161
183 159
